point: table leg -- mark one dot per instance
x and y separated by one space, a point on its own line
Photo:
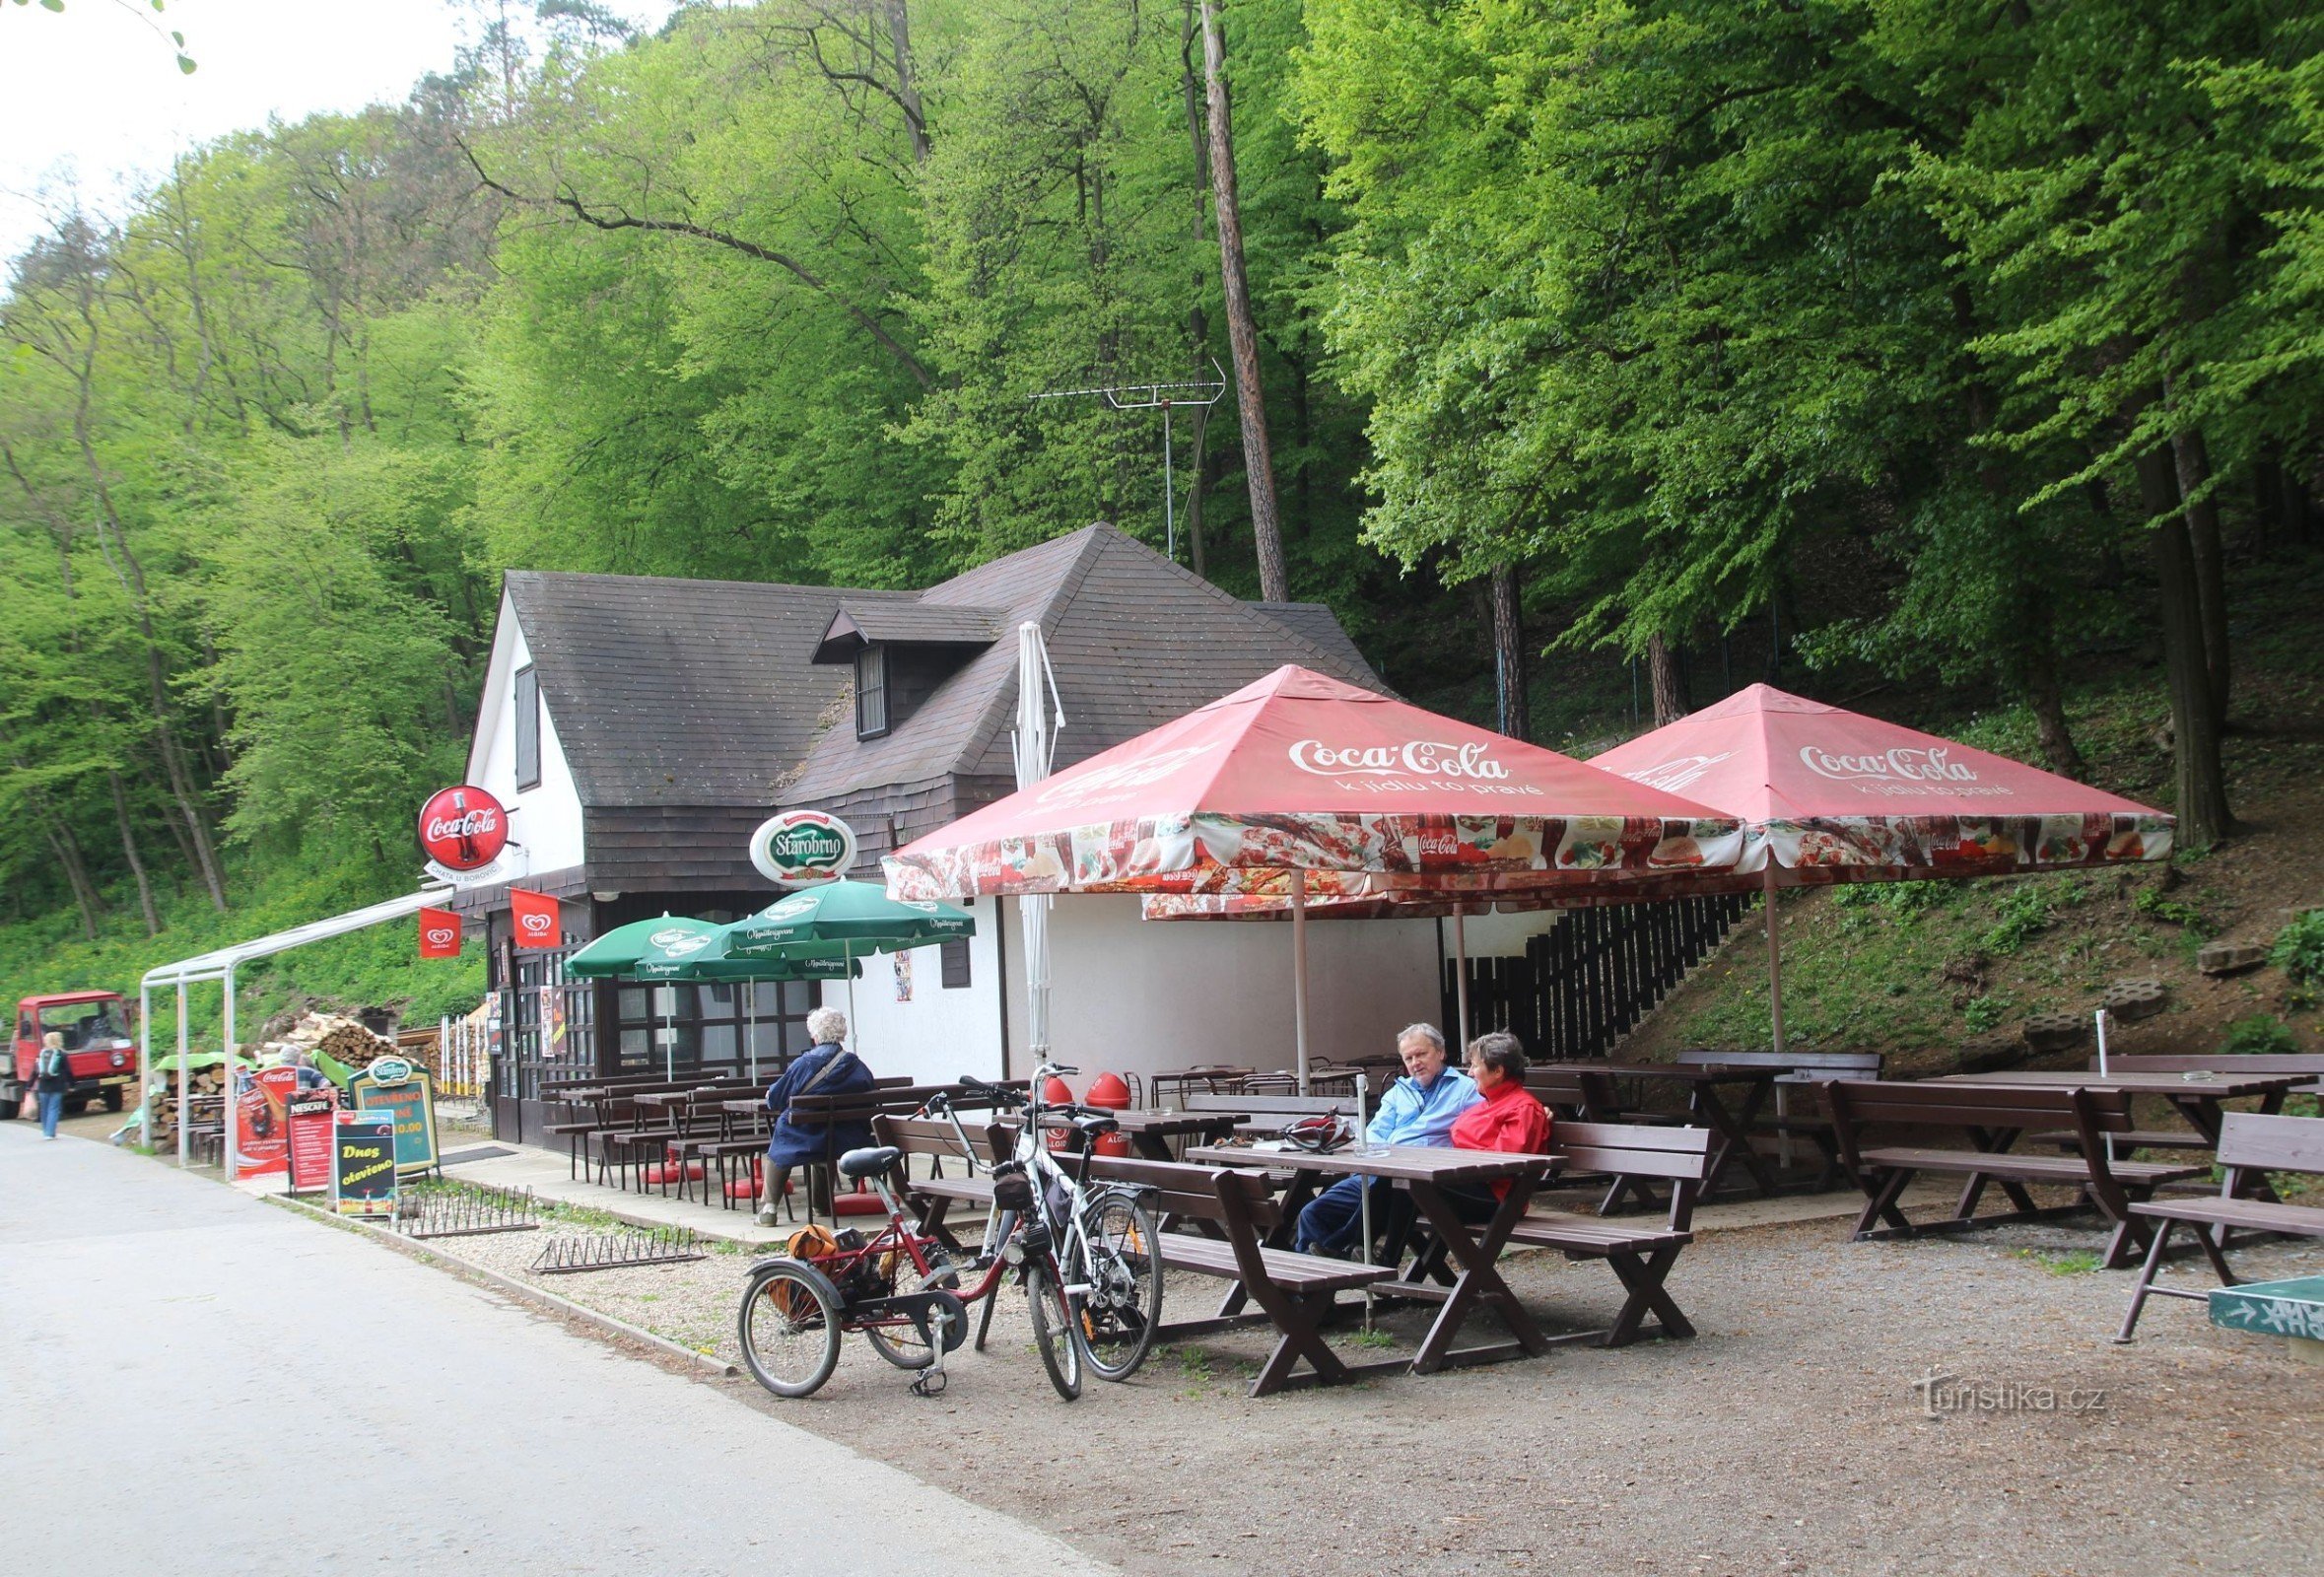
1733 1130
1295 1198
1479 1278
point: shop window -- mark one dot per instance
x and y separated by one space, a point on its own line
528 728
717 1028
871 692
954 959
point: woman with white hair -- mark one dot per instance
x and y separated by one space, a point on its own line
827 1067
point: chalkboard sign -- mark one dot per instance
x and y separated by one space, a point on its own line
393 1089
363 1164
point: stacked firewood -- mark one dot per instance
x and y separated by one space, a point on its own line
352 1043
200 1082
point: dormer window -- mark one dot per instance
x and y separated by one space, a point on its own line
871 692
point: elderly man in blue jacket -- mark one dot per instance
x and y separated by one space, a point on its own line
827 1067
1417 1109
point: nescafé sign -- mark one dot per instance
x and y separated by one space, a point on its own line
801 847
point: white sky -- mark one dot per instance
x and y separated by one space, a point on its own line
92 100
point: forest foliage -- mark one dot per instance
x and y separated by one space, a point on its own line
1945 341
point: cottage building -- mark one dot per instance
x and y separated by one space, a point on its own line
640 728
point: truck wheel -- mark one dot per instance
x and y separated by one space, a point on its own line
113 1098
74 1105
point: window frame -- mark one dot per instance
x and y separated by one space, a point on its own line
528 724
871 663
953 969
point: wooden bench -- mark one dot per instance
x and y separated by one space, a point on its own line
1590 1095
1993 1115
2248 1141
933 1197
1640 1255
2177 1138
1294 1292
888 1097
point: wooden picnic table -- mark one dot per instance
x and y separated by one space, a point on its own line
1731 1126
2199 1097
1150 1132
1425 1171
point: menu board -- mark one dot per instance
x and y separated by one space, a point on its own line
310 1115
363 1164
394 1088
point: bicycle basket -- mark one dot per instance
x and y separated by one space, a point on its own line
1320 1134
812 1243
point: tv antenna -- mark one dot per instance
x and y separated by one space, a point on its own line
1166 398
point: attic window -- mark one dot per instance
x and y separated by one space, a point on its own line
528 728
871 692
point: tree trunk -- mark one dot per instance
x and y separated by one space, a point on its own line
67 850
2201 782
915 119
1259 466
2048 704
2193 462
1668 684
1509 650
144 887
1197 320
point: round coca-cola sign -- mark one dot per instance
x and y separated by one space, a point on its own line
463 828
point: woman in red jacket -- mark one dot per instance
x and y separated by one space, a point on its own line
1508 1117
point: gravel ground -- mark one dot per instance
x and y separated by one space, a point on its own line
1788 1437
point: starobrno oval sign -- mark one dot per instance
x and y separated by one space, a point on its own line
801 847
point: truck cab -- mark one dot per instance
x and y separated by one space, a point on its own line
98 1048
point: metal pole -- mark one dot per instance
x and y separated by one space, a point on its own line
184 1077
145 1061
1460 975
1774 953
847 963
232 1159
1299 970
1169 491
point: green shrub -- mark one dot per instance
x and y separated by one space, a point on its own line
2171 911
2299 948
1903 899
1982 1014
2026 913
2260 1035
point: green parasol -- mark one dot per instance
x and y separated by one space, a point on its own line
855 916
615 955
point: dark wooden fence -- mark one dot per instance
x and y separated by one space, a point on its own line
1587 981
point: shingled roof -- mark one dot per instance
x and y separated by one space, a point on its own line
690 709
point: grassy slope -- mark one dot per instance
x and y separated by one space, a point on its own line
380 967
1921 969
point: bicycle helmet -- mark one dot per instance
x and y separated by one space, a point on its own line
1318 1136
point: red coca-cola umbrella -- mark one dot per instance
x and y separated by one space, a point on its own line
1826 795
1302 786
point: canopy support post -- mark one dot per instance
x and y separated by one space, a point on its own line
184 1081
1460 975
1299 972
1774 955
145 1066
230 1151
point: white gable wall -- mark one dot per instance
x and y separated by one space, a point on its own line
938 1035
546 819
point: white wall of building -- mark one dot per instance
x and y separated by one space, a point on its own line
1500 936
545 819
939 1034
1133 996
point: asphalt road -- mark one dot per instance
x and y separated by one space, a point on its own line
198 1381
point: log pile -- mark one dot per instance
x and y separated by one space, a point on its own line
201 1081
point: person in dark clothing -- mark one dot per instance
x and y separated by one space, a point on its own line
52 1076
827 1067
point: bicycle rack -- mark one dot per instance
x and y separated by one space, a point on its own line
469 1210
619 1250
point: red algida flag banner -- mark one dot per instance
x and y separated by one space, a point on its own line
535 914
440 933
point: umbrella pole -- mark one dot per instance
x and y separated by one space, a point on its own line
1460 975
1774 955
1299 972
847 964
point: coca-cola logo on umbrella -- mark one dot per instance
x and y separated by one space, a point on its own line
1901 765
463 828
1415 758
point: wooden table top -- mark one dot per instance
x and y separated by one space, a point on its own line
1687 1073
1411 1163
2199 1085
758 1105
1167 1124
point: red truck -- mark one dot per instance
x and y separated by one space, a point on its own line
98 1048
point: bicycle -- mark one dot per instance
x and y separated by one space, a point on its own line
1089 1256
901 1290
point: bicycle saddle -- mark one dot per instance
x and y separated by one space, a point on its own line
868 1163
1096 1123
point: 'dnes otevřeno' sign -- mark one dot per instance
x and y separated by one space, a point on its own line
801 847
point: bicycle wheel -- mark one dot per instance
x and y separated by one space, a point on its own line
1123 1308
1053 1329
790 1326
